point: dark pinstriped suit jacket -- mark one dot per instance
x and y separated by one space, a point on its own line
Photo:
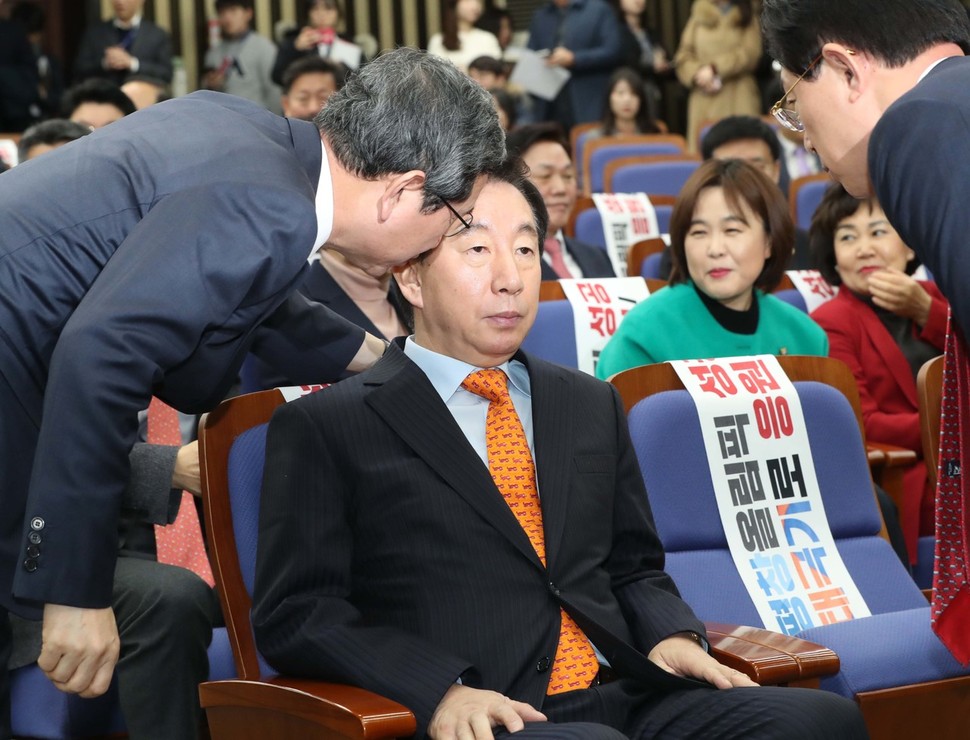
389 560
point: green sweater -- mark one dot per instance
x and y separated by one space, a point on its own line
673 324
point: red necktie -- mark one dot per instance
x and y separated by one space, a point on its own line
179 543
951 584
512 469
554 250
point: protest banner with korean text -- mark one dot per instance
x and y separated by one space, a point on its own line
599 306
767 493
627 219
815 289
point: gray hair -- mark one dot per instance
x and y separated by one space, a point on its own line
408 110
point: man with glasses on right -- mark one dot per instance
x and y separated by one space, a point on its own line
881 89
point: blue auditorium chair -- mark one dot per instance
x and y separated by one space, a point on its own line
598 153
663 175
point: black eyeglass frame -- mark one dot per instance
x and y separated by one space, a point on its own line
464 224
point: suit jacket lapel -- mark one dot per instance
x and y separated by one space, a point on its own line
406 400
553 448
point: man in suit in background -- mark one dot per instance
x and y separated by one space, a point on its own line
544 150
174 233
582 36
410 545
125 45
881 89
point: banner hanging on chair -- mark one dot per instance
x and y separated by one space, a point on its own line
598 308
813 287
627 219
767 494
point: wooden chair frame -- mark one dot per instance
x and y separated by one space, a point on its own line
254 707
796 185
929 392
639 251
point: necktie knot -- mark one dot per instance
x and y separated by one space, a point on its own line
490 384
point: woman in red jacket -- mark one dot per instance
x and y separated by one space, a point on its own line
884 325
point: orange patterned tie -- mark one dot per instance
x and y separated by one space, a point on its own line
179 543
512 469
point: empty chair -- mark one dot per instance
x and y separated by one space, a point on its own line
598 153
553 335
804 195
661 175
905 681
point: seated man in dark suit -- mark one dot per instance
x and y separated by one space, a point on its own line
544 149
410 545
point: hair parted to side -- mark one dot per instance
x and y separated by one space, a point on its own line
895 31
408 110
742 183
52 132
740 128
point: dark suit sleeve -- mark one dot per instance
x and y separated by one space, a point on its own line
605 47
192 275
153 50
647 595
149 495
305 622
919 153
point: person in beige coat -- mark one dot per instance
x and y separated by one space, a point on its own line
719 50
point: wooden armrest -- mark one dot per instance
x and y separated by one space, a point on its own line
769 658
294 707
876 457
896 457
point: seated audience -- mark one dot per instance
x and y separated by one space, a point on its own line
125 45
308 84
96 103
242 62
751 140
884 325
731 237
47 135
544 149
493 74
627 108
460 41
404 546
318 37
505 107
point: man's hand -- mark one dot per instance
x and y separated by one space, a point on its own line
79 649
897 292
115 57
465 712
680 655
187 474
561 57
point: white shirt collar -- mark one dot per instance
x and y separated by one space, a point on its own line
931 68
133 23
324 203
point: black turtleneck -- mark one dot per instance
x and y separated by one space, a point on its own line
736 322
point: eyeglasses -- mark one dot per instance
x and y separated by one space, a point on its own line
786 116
464 224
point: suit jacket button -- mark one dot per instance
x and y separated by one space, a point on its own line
30 565
33 551
34 538
543 665
553 589
37 523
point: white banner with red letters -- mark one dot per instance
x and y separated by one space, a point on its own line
767 493
293 392
627 219
815 289
599 306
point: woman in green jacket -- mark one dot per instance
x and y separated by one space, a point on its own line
731 238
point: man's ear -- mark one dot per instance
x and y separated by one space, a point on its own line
856 68
408 278
400 189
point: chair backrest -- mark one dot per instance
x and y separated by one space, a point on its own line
600 152
804 195
577 141
668 440
664 175
553 335
589 228
232 441
929 392
639 251
583 203
793 298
